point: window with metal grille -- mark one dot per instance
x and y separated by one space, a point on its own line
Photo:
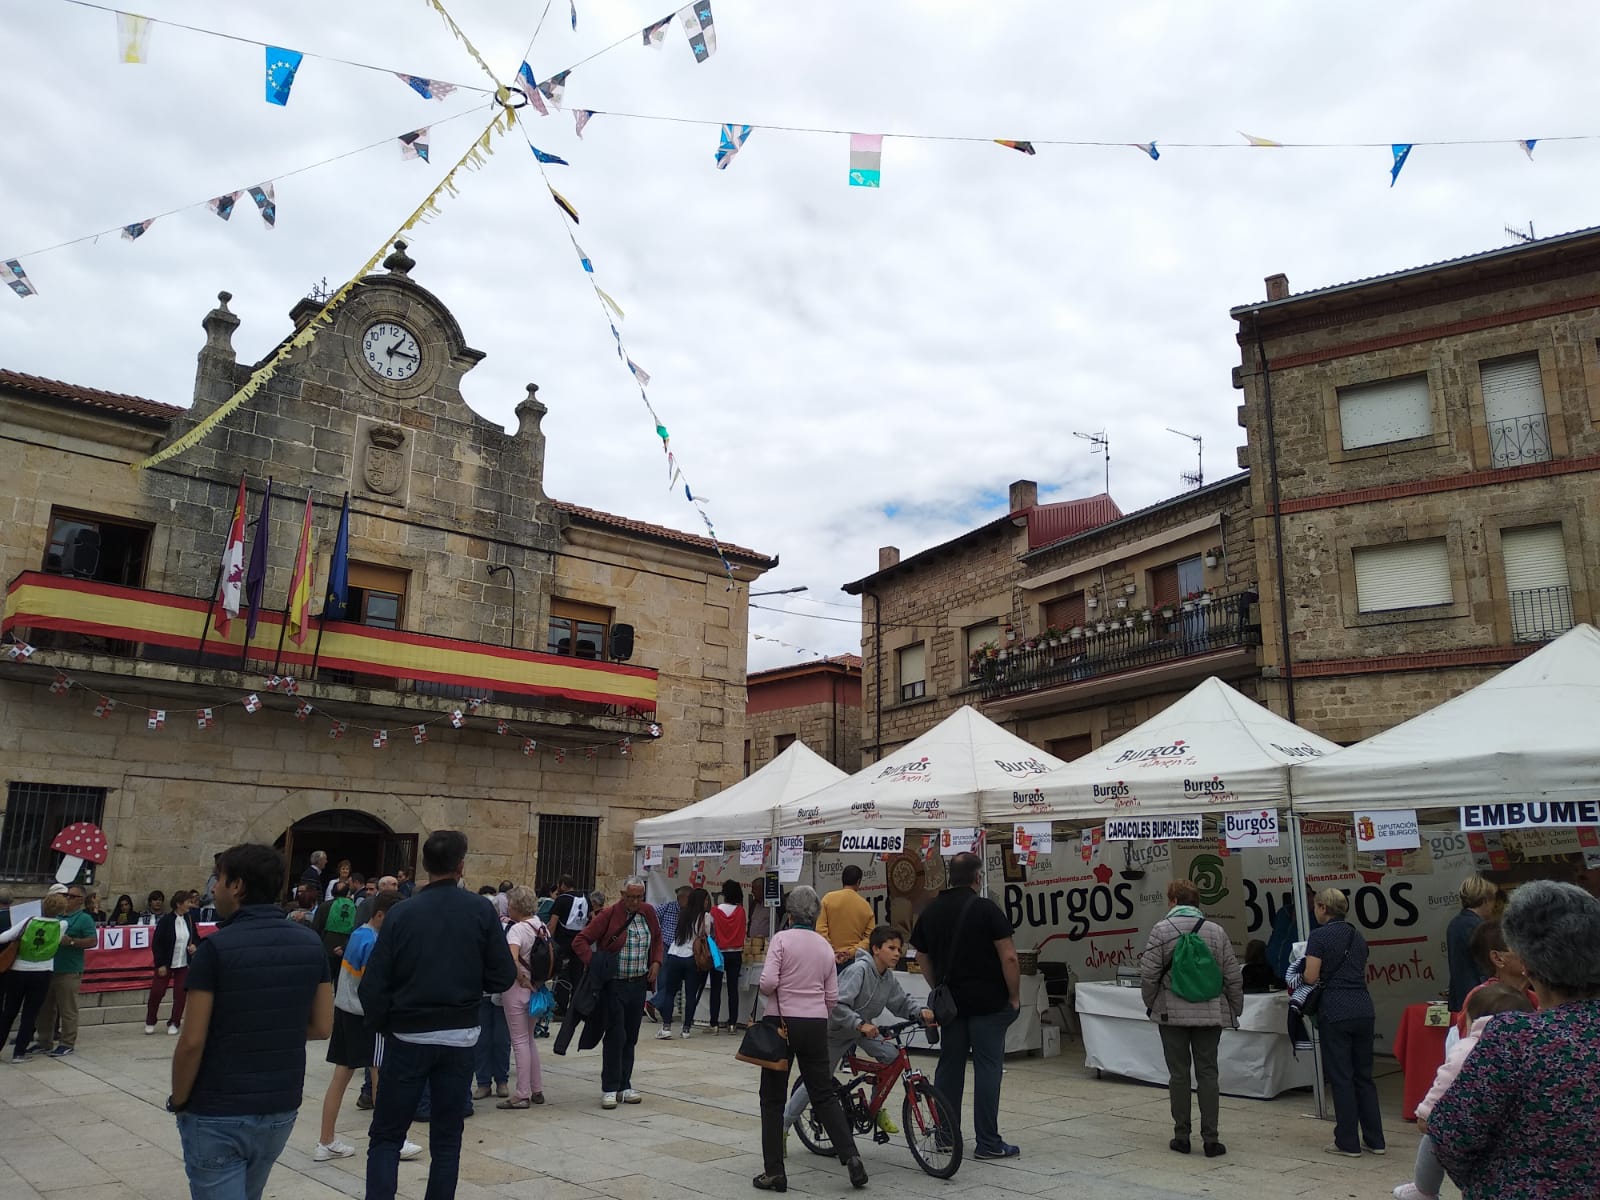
568 846
1513 407
1536 578
35 813
913 662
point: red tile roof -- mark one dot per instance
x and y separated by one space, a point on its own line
55 389
848 662
662 532
1051 522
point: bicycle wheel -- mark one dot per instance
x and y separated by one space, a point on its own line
931 1130
813 1134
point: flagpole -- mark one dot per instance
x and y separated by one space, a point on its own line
205 630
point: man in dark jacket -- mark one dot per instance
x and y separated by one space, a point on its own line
439 952
628 933
258 990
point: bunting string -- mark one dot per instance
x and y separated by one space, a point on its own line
466 42
475 157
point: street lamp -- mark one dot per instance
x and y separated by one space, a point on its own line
495 569
781 592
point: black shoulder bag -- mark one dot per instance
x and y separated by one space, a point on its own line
940 1000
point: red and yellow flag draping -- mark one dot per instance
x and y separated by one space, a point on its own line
299 612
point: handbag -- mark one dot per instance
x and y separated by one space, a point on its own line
541 1003
941 1001
716 954
702 951
766 1045
1307 998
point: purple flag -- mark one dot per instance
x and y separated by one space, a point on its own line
255 578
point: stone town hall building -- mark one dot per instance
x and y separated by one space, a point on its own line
614 647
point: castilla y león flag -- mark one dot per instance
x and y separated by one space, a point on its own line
230 579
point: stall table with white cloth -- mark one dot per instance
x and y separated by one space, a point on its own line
1256 1060
1023 1034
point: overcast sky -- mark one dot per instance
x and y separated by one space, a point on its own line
840 368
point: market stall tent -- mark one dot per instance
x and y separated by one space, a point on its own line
932 782
1212 750
746 809
1530 734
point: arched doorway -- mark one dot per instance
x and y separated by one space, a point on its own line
371 846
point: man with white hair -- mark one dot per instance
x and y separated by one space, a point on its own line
624 940
316 870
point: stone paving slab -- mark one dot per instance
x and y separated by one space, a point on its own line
92 1127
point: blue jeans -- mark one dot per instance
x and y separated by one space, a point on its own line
985 1039
624 1009
491 1060
407 1067
678 970
229 1158
1347 1062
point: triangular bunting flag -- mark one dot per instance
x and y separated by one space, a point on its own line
428 89
555 87
574 4
137 230
581 117
584 259
656 33
267 202
1402 151
564 206
1527 147
1025 147
1148 147
223 205
548 158
529 87
133 38
1259 141
419 734
733 137
415 144
17 279
701 32
609 302
104 707
336 730
639 373
866 159
281 67
157 719
380 739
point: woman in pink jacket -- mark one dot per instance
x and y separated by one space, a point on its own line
801 987
1483 1003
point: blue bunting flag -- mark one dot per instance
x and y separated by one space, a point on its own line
281 67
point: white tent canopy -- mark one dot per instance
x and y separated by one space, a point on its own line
746 809
1212 750
932 782
1531 733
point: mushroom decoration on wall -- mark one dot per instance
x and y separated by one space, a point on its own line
81 842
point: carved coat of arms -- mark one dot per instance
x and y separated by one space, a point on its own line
384 466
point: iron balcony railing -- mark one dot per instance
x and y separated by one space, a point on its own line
1540 614
1225 623
1517 441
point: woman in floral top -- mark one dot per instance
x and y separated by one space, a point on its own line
1520 1120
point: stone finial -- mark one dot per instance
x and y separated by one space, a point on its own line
530 411
219 325
399 263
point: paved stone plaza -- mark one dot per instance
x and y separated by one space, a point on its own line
93 1127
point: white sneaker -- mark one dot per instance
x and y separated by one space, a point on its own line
629 1096
663 1035
172 1031
1410 1191
608 1099
409 1150
334 1149
149 1028
685 1033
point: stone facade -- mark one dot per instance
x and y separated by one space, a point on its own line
818 703
438 494
1457 481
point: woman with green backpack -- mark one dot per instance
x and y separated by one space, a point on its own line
1193 988
28 979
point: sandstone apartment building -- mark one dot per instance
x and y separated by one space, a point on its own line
817 702
570 670
1423 450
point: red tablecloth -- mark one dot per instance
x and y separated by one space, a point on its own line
1420 1049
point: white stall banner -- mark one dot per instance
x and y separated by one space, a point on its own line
1396 830
872 841
1251 830
791 854
1517 815
654 856
1185 828
701 849
1035 837
959 841
752 853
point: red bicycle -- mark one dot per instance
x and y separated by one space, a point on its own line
926 1117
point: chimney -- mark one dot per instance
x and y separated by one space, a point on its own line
1278 287
1024 494
888 556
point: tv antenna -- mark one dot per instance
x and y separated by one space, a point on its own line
1197 477
1529 236
1099 443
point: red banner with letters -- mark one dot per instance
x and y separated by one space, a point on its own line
121 961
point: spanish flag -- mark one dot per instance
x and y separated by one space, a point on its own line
300 580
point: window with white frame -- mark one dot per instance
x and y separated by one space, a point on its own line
1403 575
1536 578
913 667
976 638
1391 410
1513 410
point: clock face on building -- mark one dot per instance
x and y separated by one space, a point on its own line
391 351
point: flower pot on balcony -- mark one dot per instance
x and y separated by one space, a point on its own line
1129 589
1122 602
1099 626
1127 622
1092 603
1167 612
1148 616
1211 560
1188 606
1004 652
1205 599
1075 633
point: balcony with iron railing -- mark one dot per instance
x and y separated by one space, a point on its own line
1190 634
116 631
1540 614
1517 441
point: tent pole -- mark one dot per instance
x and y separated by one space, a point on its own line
1302 924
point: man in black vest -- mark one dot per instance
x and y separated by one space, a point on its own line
258 991
438 954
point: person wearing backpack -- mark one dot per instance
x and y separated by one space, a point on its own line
335 922
1193 988
38 939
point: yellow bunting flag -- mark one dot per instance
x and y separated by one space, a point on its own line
475 157
461 37
1259 141
133 38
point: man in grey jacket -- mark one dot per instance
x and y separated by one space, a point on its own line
1190 1028
867 988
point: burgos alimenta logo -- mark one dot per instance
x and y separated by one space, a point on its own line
1119 793
810 815
1033 801
1157 756
911 772
927 807
1021 766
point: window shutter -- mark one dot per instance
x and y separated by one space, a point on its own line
1404 575
1164 585
1393 410
1535 557
913 664
1512 388
1065 612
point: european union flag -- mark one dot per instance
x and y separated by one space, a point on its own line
337 601
281 66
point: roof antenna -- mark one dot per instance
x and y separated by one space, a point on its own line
1197 478
1530 236
1099 443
